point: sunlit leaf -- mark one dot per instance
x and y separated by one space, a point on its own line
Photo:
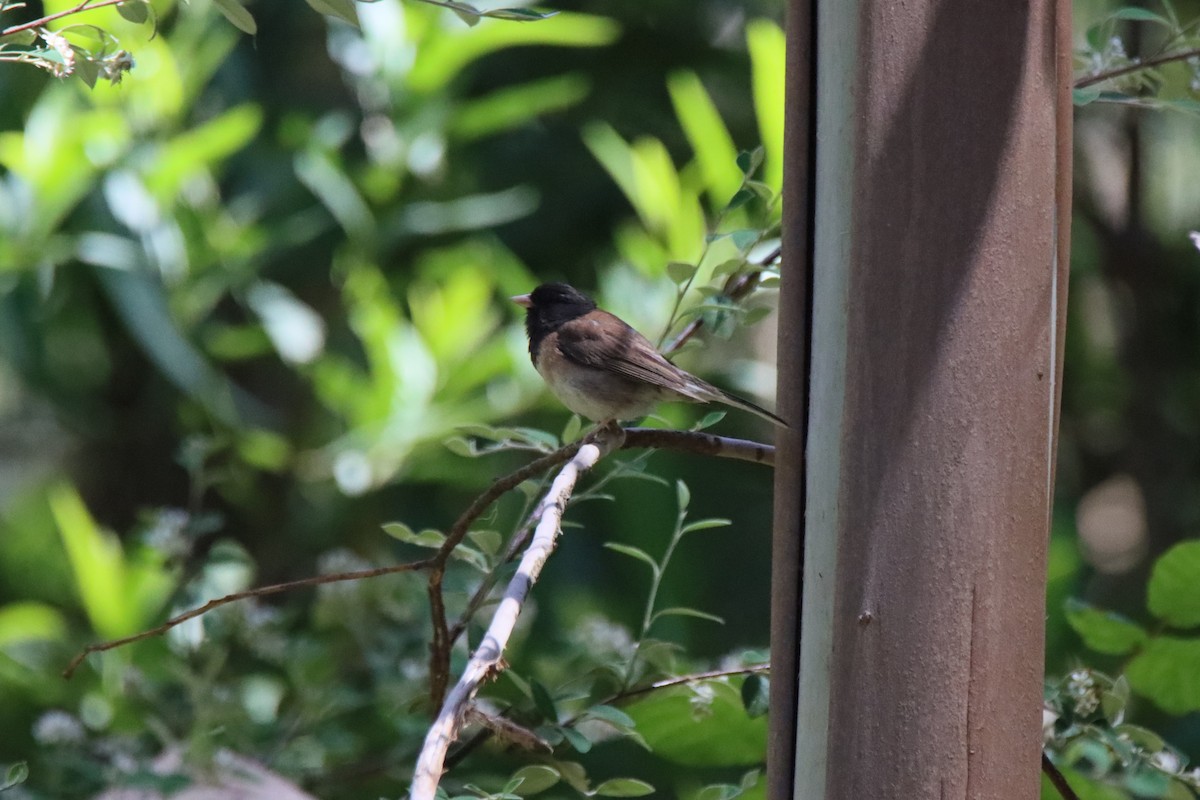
1171 594
1167 670
708 136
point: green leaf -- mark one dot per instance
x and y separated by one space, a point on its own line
461 447
748 161
767 46
543 701
1104 631
623 787
683 495
535 778
613 716
581 743
705 524
754 316
680 273
237 14
572 430
743 240
135 11
1134 14
513 106
1172 594
682 611
489 541
707 134
630 550
15 775
1081 97
716 733
426 538
30 621
1167 670
342 9
443 57
756 695
519 14
1142 737
470 555
739 199
709 419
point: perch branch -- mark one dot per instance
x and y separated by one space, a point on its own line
486 660
706 444
261 591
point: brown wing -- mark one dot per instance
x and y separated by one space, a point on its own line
602 341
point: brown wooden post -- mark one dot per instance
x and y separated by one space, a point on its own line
930 397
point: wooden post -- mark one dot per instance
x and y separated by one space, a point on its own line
930 396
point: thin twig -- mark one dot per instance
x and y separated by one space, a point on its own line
261 591
486 659
1149 63
86 5
1057 778
680 680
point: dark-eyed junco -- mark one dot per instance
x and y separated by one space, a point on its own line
601 368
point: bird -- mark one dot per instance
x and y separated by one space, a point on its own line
603 369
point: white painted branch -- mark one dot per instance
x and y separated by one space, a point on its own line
486 658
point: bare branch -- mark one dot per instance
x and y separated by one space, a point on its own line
486 660
261 591
1057 778
701 443
1149 63
86 5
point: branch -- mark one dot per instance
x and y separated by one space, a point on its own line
486 660
86 5
262 591
1057 778
705 444
1149 63
439 648
680 680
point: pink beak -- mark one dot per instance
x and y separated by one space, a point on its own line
522 300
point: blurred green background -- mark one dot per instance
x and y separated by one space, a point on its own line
249 294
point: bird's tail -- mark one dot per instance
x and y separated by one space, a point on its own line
746 405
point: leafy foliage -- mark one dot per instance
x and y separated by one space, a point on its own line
1163 71
303 307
